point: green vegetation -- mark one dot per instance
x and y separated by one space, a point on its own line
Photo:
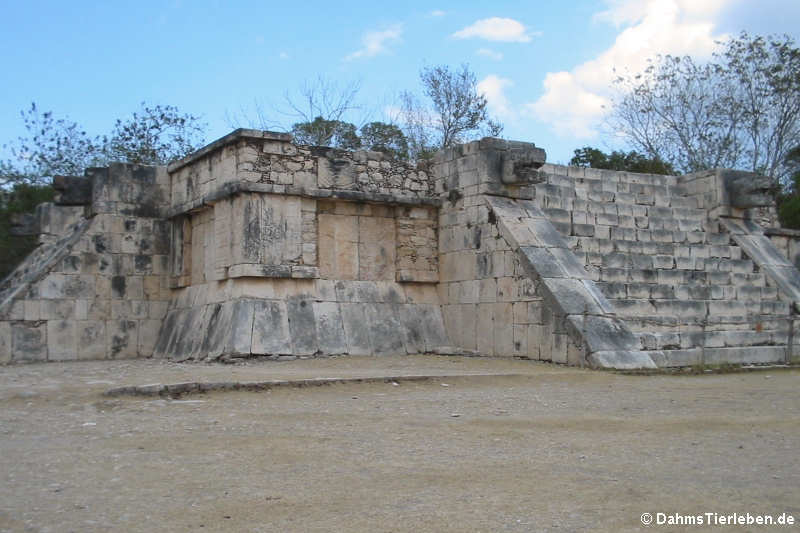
618 160
21 198
789 201
58 146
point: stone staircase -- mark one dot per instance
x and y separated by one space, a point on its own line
672 274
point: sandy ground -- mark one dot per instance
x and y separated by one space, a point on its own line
547 449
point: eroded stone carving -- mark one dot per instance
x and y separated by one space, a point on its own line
521 166
746 189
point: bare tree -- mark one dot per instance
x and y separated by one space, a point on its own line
315 114
740 110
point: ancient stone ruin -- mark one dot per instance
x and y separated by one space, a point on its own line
254 246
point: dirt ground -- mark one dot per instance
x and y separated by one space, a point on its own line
543 448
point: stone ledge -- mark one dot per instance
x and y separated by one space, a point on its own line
232 189
782 232
195 387
241 133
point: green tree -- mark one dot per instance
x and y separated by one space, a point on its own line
53 146
789 201
154 135
457 111
739 110
618 160
22 197
386 138
58 146
323 132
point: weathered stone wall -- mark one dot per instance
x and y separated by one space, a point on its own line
345 236
99 289
490 305
256 247
268 162
787 241
288 318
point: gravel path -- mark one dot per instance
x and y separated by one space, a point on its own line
548 449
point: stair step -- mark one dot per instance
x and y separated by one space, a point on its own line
665 291
713 356
697 308
674 340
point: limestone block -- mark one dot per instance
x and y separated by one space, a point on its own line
434 332
271 328
486 329
504 329
304 272
535 341
487 290
338 247
32 310
624 360
412 328
29 341
420 293
336 173
122 338
552 263
5 342
358 291
92 339
62 340
544 233
259 270
573 296
385 335
786 278
148 336
354 320
218 320
302 325
330 330
376 248
241 330
56 286
602 333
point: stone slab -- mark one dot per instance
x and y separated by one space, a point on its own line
270 328
602 333
330 330
354 320
621 360
574 297
302 325
385 333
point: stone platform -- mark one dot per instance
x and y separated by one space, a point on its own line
256 247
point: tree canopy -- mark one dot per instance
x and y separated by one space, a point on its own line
739 110
456 112
155 135
58 146
618 160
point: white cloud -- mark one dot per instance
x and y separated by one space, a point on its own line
437 13
497 29
573 102
375 42
492 87
491 54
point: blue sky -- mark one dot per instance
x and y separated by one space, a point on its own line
544 66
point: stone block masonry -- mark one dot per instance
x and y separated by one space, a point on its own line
254 246
96 287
